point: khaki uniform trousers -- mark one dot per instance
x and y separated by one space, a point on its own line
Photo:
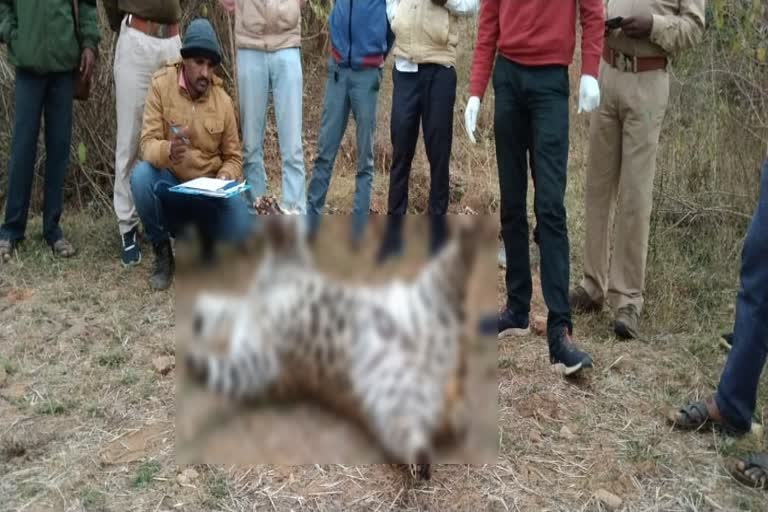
624 138
137 57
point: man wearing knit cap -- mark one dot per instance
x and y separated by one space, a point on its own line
531 44
189 131
148 38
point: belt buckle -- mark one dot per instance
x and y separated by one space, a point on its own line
162 31
626 63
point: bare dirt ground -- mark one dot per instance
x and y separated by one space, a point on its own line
87 420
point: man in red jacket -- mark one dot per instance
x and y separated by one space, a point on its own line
533 43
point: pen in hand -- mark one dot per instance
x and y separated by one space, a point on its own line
179 143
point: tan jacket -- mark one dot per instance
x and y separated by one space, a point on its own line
677 25
425 33
214 143
268 25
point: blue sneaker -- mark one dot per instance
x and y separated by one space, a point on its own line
513 324
563 351
131 254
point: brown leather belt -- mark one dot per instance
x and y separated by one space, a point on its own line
152 28
633 64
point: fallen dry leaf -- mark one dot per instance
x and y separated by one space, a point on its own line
566 433
534 436
164 364
539 325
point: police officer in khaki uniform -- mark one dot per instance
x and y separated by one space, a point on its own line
624 136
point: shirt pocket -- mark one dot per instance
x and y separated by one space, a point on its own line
213 129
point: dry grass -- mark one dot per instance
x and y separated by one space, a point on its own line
77 340
80 337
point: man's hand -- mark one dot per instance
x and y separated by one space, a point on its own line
441 3
179 143
470 117
87 63
637 27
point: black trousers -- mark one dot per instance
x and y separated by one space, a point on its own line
531 111
425 98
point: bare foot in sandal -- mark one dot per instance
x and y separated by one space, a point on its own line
695 415
751 471
63 249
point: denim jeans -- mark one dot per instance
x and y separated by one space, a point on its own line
256 72
346 90
737 392
531 117
48 95
165 213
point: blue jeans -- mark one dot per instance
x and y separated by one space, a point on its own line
165 213
737 392
256 71
345 90
48 95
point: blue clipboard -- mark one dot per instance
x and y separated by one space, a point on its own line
231 189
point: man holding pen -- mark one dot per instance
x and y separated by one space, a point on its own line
189 132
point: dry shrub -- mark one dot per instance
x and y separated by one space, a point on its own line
712 146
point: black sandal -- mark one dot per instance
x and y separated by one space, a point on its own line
695 416
692 416
751 471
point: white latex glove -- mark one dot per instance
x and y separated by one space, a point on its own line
470 117
589 94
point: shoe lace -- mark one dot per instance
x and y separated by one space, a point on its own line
629 310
